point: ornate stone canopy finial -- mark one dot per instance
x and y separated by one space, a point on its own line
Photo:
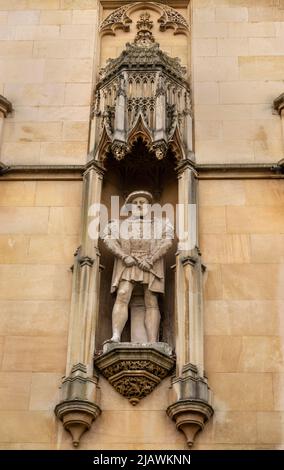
144 36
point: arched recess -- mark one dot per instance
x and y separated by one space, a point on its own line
139 169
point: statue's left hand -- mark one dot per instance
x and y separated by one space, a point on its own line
144 265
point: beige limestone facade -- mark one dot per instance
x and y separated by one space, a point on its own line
51 52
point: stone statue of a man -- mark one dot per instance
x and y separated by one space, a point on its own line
139 244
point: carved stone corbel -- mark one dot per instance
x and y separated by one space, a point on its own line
191 407
78 408
190 417
135 369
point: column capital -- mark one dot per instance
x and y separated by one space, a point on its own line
185 164
278 103
5 106
94 165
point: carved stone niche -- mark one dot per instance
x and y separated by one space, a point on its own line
135 369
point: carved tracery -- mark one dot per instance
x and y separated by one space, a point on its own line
120 18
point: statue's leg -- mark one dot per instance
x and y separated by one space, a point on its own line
120 309
152 317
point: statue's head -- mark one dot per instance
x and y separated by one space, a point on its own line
140 201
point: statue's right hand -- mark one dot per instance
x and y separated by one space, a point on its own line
129 261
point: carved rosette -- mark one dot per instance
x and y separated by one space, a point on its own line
191 405
134 370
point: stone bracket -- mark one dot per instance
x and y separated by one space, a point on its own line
190 417
135 369
191 403
77 417
78 408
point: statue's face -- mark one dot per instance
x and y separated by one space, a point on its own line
140 206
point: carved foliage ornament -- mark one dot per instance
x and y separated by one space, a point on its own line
120 19
134 372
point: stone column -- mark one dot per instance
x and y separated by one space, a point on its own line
80 393
120 111
278 105
187 260
5 109
190 394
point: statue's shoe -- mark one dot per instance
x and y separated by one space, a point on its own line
111 340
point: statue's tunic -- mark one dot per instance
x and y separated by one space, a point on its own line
144 239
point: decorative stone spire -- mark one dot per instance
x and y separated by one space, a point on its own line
144 36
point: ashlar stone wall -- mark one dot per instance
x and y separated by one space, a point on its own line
49 52
238 69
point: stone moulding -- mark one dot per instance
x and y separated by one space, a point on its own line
134 369
190 416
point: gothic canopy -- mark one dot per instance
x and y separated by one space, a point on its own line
143 94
